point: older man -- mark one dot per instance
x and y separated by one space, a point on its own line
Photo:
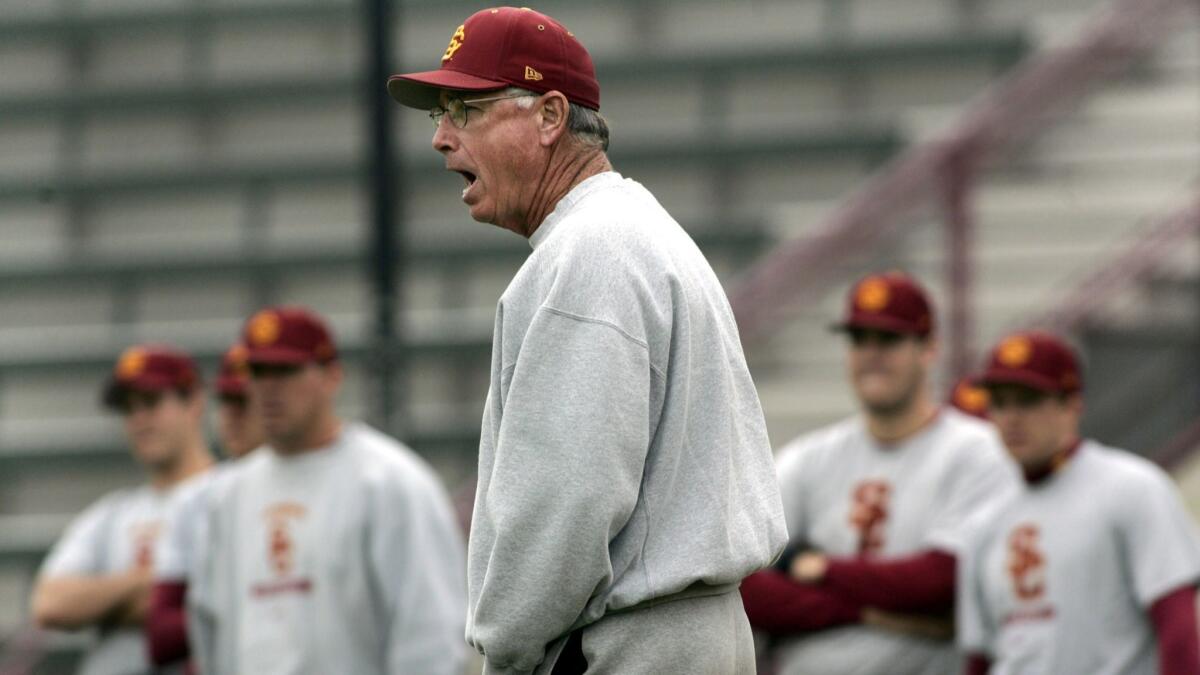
625 476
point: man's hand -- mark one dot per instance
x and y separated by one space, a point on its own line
809 568
915 625
136 604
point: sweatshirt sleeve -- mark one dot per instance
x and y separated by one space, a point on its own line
1174 619
567 470
920 582
779 606
419 570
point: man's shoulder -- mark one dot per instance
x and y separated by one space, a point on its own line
820 445
1121 469
969 440
116 501
385 461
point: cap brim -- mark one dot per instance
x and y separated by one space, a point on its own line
115 391
883 323
421 90
996 378
277 356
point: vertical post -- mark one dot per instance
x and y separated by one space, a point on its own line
386 254
958 177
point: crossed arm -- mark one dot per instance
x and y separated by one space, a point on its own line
819 592
72 602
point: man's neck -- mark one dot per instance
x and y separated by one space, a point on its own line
1038 473
561 175
321 436
904 424
194 460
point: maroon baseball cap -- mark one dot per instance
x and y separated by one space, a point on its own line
502 47
892 302
150 368
287 336
971 398
1036 360
234 373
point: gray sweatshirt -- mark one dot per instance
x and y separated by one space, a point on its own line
623 458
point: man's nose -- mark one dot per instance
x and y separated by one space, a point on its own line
443 136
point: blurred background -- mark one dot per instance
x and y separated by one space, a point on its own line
169 166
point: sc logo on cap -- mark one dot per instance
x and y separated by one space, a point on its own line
456 41
1015 351
264 328
131 364
873 295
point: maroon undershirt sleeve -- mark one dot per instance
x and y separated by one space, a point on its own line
1174 619
779 606
166 624
977 664
923 582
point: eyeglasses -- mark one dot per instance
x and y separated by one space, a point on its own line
457 109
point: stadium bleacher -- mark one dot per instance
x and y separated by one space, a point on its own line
168 167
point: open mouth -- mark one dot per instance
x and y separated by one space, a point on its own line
467 176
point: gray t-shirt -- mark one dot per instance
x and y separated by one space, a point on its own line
624 456
845 494
346 559
117 533
1059 577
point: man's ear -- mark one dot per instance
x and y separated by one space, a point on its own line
553 112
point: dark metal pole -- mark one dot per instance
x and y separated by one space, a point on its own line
386 252
958 177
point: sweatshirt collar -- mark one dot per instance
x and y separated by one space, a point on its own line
567 204
1042 474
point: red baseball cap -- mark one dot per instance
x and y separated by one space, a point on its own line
892 302
502 47
1036 360
234 373
287 336
969 397
150 368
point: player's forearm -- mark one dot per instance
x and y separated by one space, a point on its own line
1174 619
919 583
779 606
75 602
166 624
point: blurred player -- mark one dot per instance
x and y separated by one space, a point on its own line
183 544
625 483
338 549
875 506
969 397
99 573
1092 565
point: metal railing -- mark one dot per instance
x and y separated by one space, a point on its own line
942 173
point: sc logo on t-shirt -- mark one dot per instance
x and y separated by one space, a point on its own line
869 504
1026 562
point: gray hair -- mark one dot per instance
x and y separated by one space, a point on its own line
584 124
